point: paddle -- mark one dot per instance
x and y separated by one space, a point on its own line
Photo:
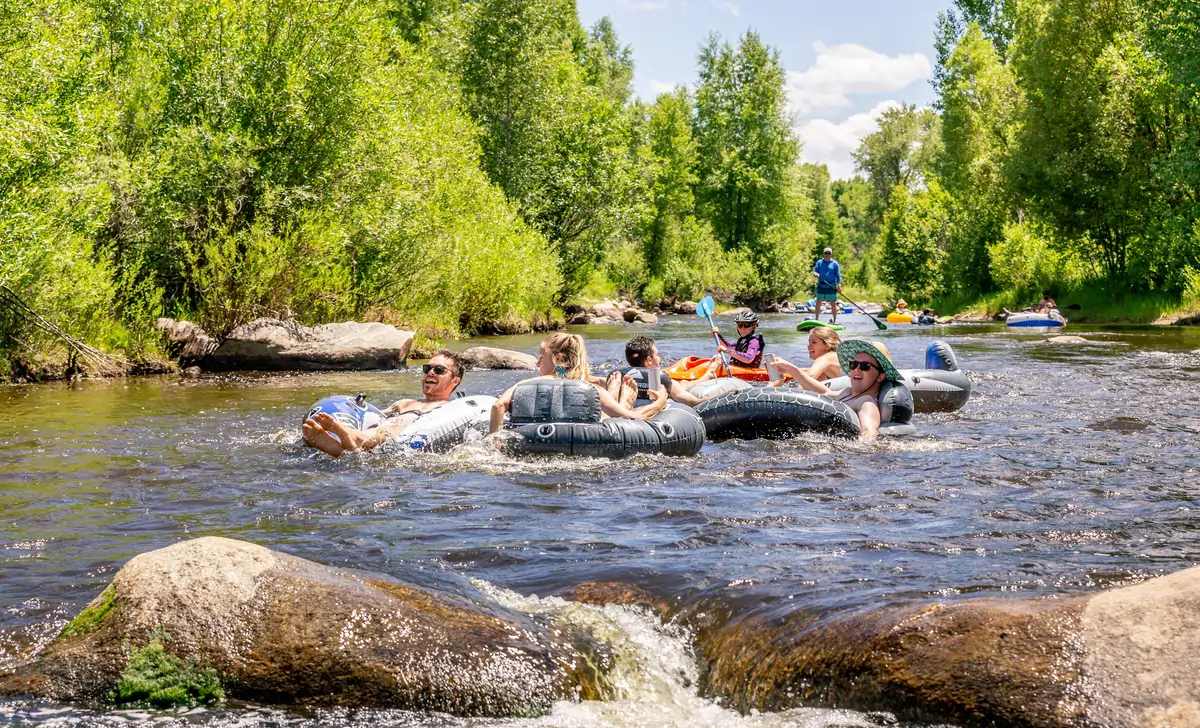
704 310
878 324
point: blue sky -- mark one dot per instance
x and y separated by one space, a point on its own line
846 61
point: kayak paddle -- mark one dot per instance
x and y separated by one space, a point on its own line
878 324
704 310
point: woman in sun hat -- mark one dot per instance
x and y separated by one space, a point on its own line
869 365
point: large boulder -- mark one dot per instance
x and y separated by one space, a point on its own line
1124 658
281 345
606 310
684 307
282 630
489 357
645 317
186 340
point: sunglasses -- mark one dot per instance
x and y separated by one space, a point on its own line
437 369
866 366
746 326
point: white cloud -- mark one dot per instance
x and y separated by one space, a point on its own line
846 69
831 144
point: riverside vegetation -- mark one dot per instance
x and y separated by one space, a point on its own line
468 167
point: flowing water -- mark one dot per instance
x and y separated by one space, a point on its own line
1073 468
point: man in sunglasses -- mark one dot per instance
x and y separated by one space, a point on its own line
440 377
869 365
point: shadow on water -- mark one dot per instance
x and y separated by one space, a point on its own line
1072 468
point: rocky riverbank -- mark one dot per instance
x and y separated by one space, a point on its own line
241 621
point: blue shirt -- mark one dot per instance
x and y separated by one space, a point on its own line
831 272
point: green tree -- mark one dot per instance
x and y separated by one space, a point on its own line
1099 118
825 211
607 64
750 191
902 152
915 232
557 145
981 108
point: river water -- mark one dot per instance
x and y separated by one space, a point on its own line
1073 468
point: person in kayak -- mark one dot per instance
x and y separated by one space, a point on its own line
564 356
822 349
641 352
829 283
870 365
440 377
748 349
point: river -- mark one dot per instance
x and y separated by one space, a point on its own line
1073 468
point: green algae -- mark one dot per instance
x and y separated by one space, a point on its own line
155 678
92 615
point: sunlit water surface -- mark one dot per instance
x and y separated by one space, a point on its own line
1072 468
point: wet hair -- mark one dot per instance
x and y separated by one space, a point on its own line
637 351
456 366
570 353
1045 294
827 335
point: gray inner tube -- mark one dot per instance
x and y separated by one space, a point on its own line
774 413
562 417
933 390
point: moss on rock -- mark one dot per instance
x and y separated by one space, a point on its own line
92 615
157 679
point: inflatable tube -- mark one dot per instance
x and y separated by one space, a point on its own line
811 324
719 386
776 414
940 387
438 431
555 417
899 318
1050 320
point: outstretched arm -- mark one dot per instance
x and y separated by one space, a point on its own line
499 407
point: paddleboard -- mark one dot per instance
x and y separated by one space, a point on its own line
811 324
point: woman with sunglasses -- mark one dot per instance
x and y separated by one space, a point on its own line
748 350
439 378
564 356
869 365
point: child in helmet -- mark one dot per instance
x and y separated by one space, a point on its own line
748 350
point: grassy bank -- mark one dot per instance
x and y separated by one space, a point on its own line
1098 303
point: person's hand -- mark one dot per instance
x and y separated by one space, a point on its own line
715 330
655 394
816 275
722 348
839 288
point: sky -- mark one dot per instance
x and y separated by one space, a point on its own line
846 60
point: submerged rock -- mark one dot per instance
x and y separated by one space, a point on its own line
490 357
281 345
1124 658
279 629
1066 340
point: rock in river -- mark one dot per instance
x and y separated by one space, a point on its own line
279 345
490 357
279 629
1122 658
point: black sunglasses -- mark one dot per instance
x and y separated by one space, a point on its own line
437 369
866 366
743 325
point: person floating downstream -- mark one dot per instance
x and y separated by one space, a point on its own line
1047 304
641 352
822 348
748 350
441 376
829 283
564 356
869 365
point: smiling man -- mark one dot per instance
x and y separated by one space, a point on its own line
440 377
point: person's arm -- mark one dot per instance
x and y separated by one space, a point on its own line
868 421
724 341
682 396
837 275
499 407
749 355
805 381
613 408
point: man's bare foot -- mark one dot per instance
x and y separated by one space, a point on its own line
629 392
351 438
316 436
612 384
